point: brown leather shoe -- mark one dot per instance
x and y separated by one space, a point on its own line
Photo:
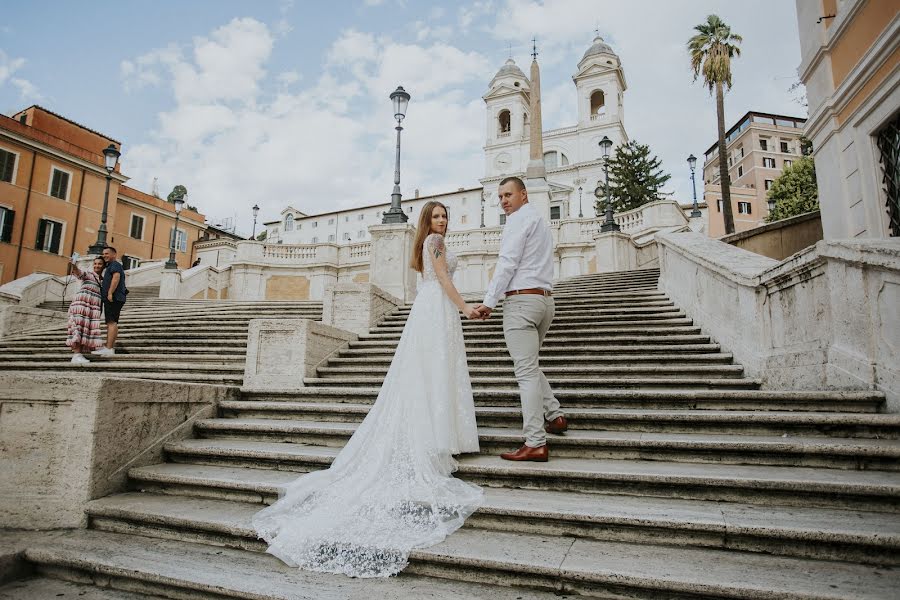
540 454
558 425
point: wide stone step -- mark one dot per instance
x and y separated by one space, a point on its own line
182 570
560 372
186 377
740 422
858 536
503 360
568 341
586 352
496 325
825 452
878 491
634 380
595 332
65 354
112 366
667 399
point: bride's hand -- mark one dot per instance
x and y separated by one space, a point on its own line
471 312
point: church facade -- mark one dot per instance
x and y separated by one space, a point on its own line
571 156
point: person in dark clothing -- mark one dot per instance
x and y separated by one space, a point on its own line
113 293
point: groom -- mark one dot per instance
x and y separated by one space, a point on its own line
524 275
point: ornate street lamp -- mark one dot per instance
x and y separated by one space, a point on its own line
692 163
111 157
400 100
580 214
179 204
255 212
610 223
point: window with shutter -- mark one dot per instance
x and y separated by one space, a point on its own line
59 184
49 236
137 227
7 165
7 217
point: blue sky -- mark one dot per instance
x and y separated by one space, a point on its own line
280 102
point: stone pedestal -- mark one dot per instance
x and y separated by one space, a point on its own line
357 307
170 284
70 439
390 258
615 252
539 195
282 352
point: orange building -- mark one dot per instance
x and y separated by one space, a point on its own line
850 66
52 185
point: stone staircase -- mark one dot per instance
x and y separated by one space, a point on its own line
680 477
202 341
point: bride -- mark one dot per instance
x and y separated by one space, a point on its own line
390 489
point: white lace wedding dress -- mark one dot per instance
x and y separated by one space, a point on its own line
390 489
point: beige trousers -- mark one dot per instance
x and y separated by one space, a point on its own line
526 319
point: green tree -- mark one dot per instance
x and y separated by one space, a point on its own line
795 191
635 178
711 51
262 235
177 191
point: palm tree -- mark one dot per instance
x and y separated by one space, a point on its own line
711 52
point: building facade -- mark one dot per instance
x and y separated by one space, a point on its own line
52 186
572 158
850 65
759 147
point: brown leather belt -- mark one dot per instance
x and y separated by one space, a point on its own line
537 291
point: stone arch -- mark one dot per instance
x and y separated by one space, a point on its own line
504 121
598 103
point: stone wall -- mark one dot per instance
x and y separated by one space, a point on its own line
780 239
825 318
24 319
73 439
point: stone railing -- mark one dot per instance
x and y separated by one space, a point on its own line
216 253
290 252
203 282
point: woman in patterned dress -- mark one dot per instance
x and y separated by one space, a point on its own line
84 313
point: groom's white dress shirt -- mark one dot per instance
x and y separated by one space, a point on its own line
526 256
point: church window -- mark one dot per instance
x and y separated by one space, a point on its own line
554 159
554 213
289 223
598 104
504 120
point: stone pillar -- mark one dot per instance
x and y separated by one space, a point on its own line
390 257
170 284
357 307
282 352
615 252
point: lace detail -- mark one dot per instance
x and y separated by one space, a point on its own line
390 489
435 243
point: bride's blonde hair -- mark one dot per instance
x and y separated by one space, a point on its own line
423 231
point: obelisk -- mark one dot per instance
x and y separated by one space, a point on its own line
536 172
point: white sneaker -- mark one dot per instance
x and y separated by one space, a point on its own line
79 359
104 352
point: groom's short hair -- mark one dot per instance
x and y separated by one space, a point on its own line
519 183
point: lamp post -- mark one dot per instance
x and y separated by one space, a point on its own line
692 163
255 212
610 223
179 203
111 157
400 99
580 214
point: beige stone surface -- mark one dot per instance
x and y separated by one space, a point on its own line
25 319
357 307
282 352
68 440
287 287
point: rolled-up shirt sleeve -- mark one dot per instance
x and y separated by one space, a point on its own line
512 247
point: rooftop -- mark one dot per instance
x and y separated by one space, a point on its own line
741 122
68 120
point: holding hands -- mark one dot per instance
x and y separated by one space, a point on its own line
477 311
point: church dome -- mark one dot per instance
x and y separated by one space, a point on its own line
510 68
598 47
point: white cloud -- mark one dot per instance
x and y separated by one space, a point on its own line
28 91
234 142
